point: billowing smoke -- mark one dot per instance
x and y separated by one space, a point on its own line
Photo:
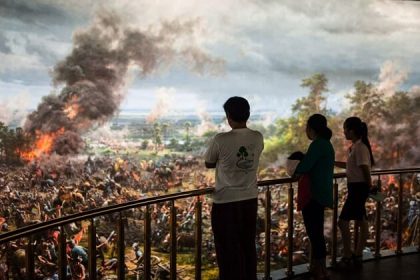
206 122
391 77
13 110
105 134
403 127
163 105
93 76
414 91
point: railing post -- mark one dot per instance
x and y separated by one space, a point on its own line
121 248
8 261
334 224
147 244
400 217
30 262
62 255
173 241
418 223
267 258
378 224
290 229
198 238
92 250
356 227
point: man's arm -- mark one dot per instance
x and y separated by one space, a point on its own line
212 155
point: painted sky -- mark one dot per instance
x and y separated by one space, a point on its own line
268 46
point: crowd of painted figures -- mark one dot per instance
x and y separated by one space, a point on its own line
46 190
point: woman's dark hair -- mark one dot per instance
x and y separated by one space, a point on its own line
237 108
319 124
361 130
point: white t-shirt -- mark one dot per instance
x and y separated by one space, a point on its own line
236 154
358 155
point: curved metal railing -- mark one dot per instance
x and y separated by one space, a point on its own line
30 230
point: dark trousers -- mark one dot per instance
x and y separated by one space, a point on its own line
313 217
234 229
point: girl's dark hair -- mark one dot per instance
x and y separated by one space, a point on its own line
361 130
237 108
319 124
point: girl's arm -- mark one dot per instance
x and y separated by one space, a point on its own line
366 175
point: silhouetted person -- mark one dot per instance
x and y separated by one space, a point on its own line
318 163
359 184
235 155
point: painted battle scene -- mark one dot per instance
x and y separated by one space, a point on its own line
107 103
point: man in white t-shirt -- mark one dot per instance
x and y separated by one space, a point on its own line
235 155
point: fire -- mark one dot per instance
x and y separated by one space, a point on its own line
391 180
72 108
43 145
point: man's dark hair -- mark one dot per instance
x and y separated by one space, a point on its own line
237 108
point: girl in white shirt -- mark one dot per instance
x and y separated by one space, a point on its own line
359 183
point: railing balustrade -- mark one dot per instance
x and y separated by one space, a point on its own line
30 231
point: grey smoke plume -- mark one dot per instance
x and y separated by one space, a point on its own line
391 77
94 74
13 110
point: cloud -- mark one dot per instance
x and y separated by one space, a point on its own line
14 62
355 17
268 45
32 11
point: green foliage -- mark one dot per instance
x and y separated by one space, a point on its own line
12 143
392 122
290 134
188 126
173 144
144 144
157 136
311 104
366 102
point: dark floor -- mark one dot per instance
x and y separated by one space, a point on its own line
395 268
403 267
387 268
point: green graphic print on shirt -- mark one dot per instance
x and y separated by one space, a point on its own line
243 161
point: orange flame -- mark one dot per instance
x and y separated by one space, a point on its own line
391 180
72 108
43 145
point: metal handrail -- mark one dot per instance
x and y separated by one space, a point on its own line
88 214
28 231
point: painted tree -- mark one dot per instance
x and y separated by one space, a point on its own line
165 127
313 103
366 102
398 136
392 122
157 136
187 126
290 133
12 142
